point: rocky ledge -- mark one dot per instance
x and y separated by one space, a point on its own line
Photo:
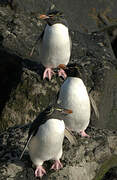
23 93
89 159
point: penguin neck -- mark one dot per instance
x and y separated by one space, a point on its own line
51 22
57 28
55 125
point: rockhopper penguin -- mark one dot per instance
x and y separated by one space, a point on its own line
73 95
55 44
45 138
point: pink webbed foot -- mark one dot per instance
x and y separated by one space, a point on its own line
62 73
84 134
40 171
57 165
48 73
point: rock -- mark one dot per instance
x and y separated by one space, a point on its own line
23 93
111 174
81 161
92 59
82 15
107 169
29 96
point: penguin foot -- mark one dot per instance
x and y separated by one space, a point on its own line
48 73
62 73
40 171
84 134
57 165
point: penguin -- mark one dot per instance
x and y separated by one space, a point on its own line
55 44
45 138
73 94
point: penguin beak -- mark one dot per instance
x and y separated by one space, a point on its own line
67 111
62 66
64 111
43 16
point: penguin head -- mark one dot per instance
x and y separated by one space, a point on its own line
58 112
54 16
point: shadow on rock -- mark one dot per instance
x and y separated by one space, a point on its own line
10 74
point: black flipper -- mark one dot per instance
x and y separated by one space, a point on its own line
38 39
41 119
27 143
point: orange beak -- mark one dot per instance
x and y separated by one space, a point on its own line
62 66
68 111
43 16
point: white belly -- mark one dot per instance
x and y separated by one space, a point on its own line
47 144
55 48
73 95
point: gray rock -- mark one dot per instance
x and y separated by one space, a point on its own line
82 14
23 93
28 94
111 174
81 161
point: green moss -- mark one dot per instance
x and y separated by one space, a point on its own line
106 166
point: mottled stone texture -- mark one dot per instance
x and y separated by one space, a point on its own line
81 161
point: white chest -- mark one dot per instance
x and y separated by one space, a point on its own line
73 95
56 46
52 126
56 33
